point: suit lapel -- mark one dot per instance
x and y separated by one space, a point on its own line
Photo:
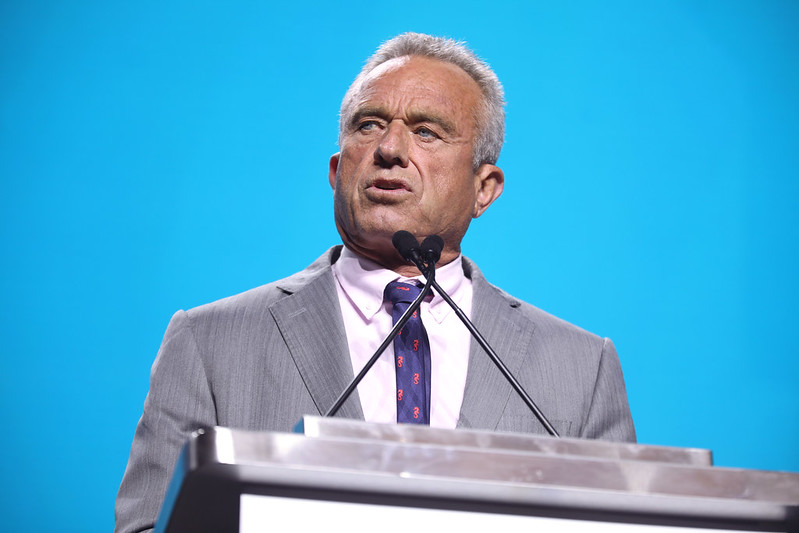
310 321
510 334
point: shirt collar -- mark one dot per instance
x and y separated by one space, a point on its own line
364 281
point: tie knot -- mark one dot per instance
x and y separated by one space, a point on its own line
398 292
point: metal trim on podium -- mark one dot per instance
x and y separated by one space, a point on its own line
338 460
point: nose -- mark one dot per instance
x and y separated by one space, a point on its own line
393 146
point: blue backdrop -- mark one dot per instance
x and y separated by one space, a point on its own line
159 155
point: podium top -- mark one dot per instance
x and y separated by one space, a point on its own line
341 460
315 426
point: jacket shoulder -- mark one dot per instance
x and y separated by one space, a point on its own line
266 295
486 293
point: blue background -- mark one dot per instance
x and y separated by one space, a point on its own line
160 155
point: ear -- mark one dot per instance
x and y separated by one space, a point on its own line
489 181
332 168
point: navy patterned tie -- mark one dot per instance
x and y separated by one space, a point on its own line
411 357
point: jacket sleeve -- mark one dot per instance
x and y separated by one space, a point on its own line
609 414
180 401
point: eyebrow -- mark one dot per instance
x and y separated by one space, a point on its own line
370 111
414 116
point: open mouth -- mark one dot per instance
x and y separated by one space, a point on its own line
388 185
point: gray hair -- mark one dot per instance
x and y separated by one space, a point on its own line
490 116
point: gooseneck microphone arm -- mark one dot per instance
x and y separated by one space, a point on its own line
431 248
405 248
497 361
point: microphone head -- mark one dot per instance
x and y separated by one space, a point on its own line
432 247
406 244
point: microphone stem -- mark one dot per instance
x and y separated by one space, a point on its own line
497 361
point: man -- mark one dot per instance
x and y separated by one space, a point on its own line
421 129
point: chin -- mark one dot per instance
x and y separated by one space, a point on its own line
381 229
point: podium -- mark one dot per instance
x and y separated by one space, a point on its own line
346 475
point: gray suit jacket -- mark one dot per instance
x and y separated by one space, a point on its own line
262 359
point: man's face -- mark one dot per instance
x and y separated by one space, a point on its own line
406 159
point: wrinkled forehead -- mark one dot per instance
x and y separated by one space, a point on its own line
418 79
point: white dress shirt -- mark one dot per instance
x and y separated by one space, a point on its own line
367 320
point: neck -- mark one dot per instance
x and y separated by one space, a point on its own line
394 262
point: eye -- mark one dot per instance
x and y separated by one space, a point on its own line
368 125
426 133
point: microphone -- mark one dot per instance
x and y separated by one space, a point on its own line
431 249
422 256
407 245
